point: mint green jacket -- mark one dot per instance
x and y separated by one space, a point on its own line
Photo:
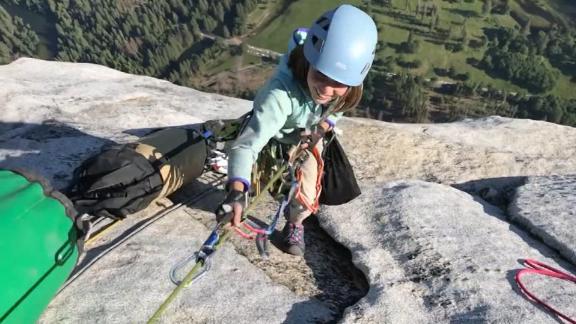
280 109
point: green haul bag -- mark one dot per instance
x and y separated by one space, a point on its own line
39 245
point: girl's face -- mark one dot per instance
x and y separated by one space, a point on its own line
322 88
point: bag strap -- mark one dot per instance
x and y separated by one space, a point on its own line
190 140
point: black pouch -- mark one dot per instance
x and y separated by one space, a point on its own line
339 184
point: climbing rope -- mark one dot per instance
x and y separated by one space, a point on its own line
91 237
219 235
149 221
539 268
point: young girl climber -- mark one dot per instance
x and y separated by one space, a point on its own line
314 84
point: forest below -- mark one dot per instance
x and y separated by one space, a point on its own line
508 62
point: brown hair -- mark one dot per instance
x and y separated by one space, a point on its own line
299 67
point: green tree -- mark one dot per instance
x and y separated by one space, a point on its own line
227 5
225 32
219 12
368 7
4 53
464 35
486 7
542 41
408 93
435 22
203 4
526 27
506 6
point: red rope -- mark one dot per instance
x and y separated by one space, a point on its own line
250 233
545 270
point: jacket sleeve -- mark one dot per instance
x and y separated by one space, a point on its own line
271 109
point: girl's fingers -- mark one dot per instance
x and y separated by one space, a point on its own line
237 215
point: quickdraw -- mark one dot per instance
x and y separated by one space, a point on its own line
219 235
149 221
202 257
252 230
248 229
214 241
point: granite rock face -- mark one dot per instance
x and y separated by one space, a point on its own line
55 115
130 282
487 148
447 213
434 254
546 206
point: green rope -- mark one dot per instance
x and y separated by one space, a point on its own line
174 293
190 276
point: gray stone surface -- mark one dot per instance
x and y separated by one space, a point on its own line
430 252
547 207
484 148
433 254
67 111
131 281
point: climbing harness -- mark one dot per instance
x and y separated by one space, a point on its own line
535 267
250 229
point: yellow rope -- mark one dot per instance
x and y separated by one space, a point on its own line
102 230
190 275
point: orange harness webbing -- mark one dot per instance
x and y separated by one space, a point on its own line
312 207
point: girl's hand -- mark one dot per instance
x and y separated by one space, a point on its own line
309 138
232 208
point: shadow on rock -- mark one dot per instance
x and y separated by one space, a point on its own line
141 132
496 191
51 149
203 195
303 312
495 194
340 282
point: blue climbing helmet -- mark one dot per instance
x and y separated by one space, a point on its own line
341 44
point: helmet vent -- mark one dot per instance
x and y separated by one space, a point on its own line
324 23
318 43
366 68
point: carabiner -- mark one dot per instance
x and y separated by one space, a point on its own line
205 267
